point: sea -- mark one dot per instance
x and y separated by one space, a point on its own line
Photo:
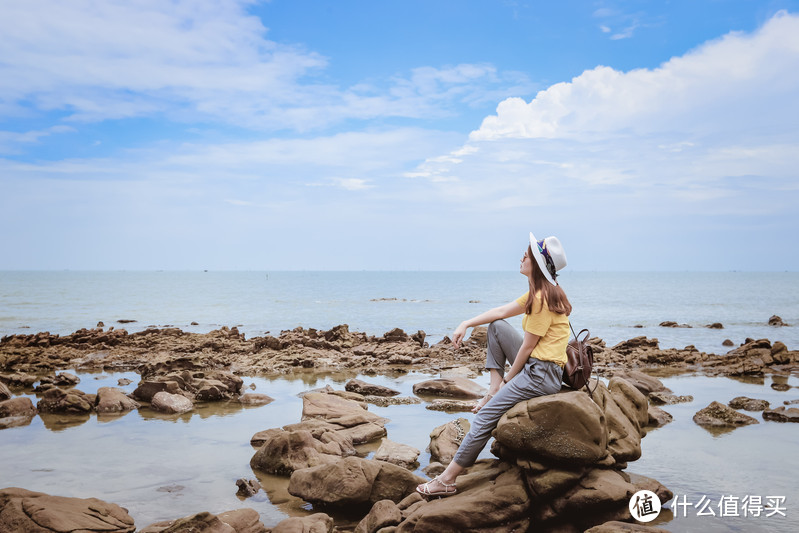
614 306
161 467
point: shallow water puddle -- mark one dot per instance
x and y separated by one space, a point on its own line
163 467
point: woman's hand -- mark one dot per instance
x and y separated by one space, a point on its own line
458 334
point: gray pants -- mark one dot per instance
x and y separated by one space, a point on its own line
538 378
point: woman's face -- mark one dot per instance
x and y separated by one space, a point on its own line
526 267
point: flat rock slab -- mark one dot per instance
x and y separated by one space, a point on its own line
26 511
782 414
450 388
719 415
748 404
369 389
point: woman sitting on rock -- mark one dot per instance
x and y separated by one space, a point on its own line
536 360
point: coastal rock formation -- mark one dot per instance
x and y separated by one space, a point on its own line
445 439
398 454
748 404
352 481
254 398
5 392
349 417
16 412
238 521
450 387
24 511
782 414
166 402
113 400
775 320
284 451
57 400
719 415
368 389
315 523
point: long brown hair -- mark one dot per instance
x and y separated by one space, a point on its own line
553 295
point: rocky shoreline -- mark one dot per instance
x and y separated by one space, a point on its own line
543 473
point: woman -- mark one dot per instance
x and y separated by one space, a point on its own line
536 359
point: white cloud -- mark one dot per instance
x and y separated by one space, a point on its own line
10 141
194 60
713 132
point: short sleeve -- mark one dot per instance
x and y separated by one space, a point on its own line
522 300
538 321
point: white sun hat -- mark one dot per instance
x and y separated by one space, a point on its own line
549 255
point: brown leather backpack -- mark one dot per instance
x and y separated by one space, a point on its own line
579 363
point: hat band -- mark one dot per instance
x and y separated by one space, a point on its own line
542 247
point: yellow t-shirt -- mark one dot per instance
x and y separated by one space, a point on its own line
552 328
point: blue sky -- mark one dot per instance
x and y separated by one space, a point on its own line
429 135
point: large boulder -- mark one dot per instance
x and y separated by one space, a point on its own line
5 393
397 453
490 498
567 427
384 513
16 412
450 387
782 414
147 389
24 511
315 523
446 438
643 382
353 481
624 433
238 521
283 451
347 416
113 400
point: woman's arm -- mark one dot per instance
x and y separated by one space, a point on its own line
528 344
498 313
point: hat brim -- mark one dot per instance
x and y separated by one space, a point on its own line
539 258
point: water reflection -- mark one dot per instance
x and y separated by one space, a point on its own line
57 422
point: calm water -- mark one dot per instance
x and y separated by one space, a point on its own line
163 467
609 304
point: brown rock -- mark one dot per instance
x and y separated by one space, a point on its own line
727 342
450 387
643 382
775 320
113 400
451 405
70 401
24 511
19 406
748 404
361 387
396 453
624 433
286 451
5 393
244 520
719 415
782 414
352 481
147 389
667 398
171 403
253 398
534 429
384 513
352 419
315 523
445 439
599 490
614 526
658 417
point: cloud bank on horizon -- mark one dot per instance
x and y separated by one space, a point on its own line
180 135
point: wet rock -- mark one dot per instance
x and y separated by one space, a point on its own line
727 342
782 414
658 417
70 401
166 402
65 379
624 430
636 344
20 406
643 382
445 439
125 321
450 387
100 324
451 405
351 419
791 402
383 514
123 382
247 487
670 324
459 372
24 511
775 320
18 379
113 400
433 469
147 389
719 415
284 451
315 523
535 429
782 387
715 325
361 387
5 393
398 454
384 401
599 490
395 335
748 404
667 398
614 526
253 398
352 481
